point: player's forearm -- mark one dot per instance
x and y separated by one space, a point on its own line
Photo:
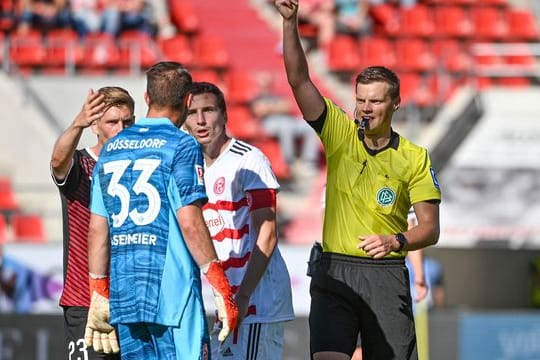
422 235
196 234
260 257
63 150
296 65
416 260
98 245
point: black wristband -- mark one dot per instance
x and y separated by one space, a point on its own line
402 241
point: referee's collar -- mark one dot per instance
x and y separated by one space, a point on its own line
393 143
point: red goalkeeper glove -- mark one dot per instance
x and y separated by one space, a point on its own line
223 296
99 333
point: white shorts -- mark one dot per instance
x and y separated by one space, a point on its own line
259 341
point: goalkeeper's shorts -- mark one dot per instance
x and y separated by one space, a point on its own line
157 342
74 325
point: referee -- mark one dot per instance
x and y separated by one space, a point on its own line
374 175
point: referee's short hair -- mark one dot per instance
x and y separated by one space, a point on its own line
373 74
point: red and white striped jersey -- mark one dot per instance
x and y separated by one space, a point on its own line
239 168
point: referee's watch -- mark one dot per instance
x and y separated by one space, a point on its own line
402 241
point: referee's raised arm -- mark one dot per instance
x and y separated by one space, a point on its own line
307 96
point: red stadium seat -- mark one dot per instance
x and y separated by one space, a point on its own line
8 203
137 49
377 51
100 52
177 49
452 55
489 23
28 228
183 16
210 52
63 48
210 76
414 55
417 21
385 19
453 21
26 49
240 87
343 54
271 149
515 81
3 229
242 125
522 26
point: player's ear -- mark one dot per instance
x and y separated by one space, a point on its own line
146 100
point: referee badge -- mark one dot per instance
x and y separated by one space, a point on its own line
386 196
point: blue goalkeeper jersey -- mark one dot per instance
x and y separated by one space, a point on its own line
142 177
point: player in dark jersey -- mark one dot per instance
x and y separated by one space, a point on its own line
107 111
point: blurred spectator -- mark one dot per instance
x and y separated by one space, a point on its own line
135 15
319 13
161 16
15 286
276 112
352 17
92 16
44 15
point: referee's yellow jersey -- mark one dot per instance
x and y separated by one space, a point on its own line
369 192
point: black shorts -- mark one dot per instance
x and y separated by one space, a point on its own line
351 296
74 325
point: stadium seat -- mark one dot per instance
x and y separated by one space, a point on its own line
28 228
240 87
416 21
385 19
100 52
414 55
3 229
210 76
137 49
271 149
177 48
8 203
452 55
453 21
183 16
489 23
62 46
377 51
501 3
242 125
343 55
26 49
210 52
514 81
522 26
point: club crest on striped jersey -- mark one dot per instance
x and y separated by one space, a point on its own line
219 185
200 174
214 221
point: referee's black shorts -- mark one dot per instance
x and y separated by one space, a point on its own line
351 295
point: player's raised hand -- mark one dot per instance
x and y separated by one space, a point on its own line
93 108
287 8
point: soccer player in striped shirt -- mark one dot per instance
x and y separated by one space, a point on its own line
241 217
106 111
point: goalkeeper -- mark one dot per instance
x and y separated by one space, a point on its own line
147 227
